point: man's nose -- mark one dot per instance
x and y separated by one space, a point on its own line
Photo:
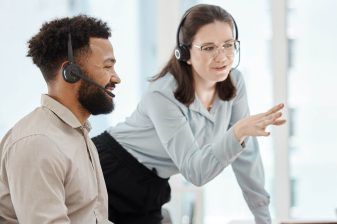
115 78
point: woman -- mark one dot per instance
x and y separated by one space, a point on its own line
193 120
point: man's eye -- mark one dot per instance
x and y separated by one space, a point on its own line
108 68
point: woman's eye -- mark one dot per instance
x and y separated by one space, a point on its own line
228 45
208 48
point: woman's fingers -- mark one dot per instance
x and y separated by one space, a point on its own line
263 133
274 109
274 116
256 125
270 119
279 122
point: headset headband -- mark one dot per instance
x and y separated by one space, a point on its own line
70 50
184 18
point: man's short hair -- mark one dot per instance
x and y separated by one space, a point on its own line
48 48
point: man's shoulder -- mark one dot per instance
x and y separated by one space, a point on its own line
37 126
31 150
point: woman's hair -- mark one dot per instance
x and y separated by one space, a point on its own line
48 48
194 19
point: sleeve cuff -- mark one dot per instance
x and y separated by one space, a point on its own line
262 215
227 148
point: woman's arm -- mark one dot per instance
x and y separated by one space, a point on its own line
248 166
198 164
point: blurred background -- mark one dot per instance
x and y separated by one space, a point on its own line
288 54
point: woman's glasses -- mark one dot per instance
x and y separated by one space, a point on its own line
229 48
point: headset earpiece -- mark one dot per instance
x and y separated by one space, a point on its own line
182 53
71 72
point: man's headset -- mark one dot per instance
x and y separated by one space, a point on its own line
182 52
72 72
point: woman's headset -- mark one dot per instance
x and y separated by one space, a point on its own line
182 51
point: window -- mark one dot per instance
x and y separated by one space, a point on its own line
312 84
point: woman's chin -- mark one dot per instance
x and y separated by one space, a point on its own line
220 75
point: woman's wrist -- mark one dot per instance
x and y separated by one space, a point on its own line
238 133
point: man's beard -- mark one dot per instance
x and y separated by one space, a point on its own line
94 99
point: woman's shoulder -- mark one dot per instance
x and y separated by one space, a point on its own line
167 83
238 80
164 86
236 76
162 89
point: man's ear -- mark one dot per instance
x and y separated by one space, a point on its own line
61 68
63 64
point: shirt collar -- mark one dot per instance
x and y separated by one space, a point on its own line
167 85
63 112
197 106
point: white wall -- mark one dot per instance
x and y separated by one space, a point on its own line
21 82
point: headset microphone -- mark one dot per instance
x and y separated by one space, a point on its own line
85 78
72 72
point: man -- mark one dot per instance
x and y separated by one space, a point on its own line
49 167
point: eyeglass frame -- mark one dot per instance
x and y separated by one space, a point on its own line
218 49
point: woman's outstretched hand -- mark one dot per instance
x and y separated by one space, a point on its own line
256 125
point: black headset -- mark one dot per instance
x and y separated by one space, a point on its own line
71 71
182 52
